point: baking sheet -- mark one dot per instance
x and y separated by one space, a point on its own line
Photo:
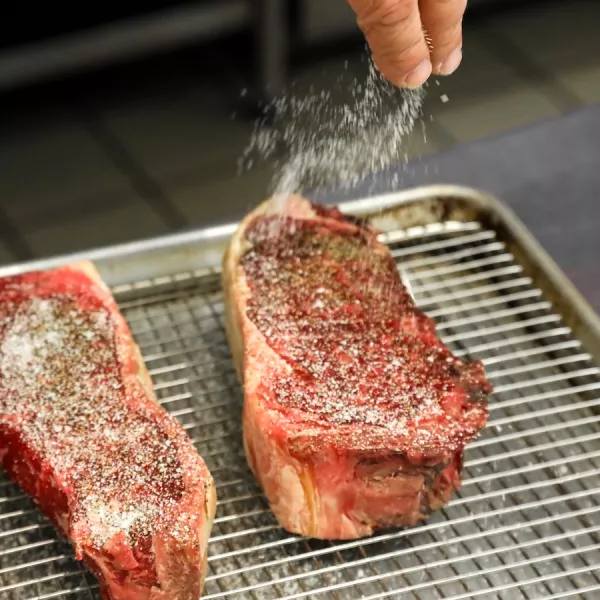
526 523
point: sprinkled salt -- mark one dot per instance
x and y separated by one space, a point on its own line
336 140
357 360
61 375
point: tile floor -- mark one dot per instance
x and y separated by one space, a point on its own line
102 169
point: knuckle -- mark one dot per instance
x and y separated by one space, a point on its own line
388 14
444 40
412 51
450 36
396 45
401 61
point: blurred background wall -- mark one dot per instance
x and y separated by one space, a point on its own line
47 41
128 122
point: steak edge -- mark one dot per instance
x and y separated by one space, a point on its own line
82 433
355 414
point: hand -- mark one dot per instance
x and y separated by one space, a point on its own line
410 39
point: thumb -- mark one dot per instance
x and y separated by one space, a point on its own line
395 35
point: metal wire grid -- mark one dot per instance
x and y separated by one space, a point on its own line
525 524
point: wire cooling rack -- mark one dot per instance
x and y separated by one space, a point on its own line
526 523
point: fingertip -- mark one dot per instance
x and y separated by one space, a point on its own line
405 75
442 19
418 76
451 63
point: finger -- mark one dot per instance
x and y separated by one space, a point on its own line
442 20
393 30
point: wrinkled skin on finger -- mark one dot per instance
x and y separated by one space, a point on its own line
442 20
410 39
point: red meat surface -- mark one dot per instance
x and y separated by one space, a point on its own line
355 414
82 434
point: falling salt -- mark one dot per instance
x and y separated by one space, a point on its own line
330 140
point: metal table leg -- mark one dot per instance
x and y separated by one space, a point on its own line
271 46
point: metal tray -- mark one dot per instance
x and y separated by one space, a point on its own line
526 523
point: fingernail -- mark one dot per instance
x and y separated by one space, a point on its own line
418 76
451 63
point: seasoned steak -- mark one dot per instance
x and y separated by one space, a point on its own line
82 434
355 414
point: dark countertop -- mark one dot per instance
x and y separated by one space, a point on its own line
548 173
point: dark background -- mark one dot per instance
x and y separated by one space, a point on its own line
128 122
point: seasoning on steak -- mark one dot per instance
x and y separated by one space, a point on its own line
355 414
82 433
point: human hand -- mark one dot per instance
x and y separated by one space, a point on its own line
411 39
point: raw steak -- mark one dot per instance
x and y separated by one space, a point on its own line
82 433
355 414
